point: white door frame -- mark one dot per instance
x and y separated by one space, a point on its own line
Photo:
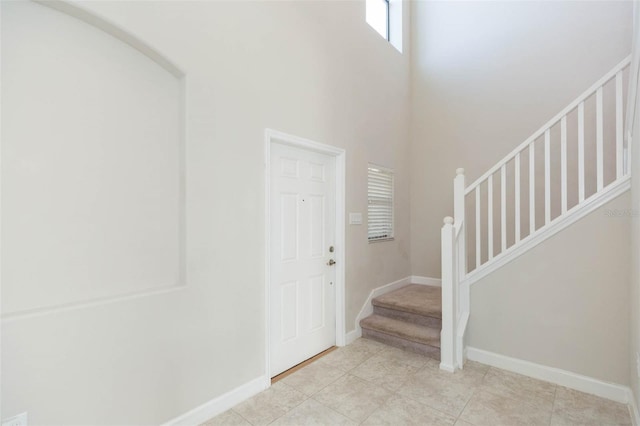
274 136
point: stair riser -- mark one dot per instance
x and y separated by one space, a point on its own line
398 342
430 322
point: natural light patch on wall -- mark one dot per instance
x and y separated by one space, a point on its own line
92 164
378 16
385 16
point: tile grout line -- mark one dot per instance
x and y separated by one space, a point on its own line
245 419
494 392
306 398
553 406
472 395
424 367
465 405
426 405
335 411
349 372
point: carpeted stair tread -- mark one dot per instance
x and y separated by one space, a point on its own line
413 332
413 298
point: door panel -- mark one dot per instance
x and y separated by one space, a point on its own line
302 230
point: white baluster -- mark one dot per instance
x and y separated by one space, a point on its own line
563 162
532 189
581 152
600 138
459 218
478 228
619 129
503 205
547 177
517 201
490 216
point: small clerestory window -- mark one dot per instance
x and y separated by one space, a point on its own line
385 16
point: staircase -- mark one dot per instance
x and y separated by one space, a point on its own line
409 318
572 165
569 167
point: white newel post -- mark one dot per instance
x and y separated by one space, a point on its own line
447 340
454 268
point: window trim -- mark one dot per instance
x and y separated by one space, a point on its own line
391 174
388 37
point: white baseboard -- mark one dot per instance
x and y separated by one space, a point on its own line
220 404
415 279
633 408
367 308
353 335
612 391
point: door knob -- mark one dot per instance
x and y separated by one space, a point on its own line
331 262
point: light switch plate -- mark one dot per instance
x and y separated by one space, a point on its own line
355 218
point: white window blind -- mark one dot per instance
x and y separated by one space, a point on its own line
380 203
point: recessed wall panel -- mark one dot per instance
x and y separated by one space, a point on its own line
92 164
316 287
316 222
289 167
316 172
289 226
289 310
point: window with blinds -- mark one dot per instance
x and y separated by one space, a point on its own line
380 203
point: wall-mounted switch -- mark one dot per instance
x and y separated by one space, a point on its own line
19 420
355 218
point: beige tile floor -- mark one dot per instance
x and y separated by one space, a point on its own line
370 383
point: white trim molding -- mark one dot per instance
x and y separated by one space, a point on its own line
352 335
612 391
416 279
220 404
367 307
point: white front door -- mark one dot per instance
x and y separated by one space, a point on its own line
302 305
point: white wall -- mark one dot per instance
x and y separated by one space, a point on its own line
486 75
563 304
313 69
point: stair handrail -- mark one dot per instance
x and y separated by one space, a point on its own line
616 72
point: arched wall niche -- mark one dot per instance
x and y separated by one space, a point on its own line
93 186
79 12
